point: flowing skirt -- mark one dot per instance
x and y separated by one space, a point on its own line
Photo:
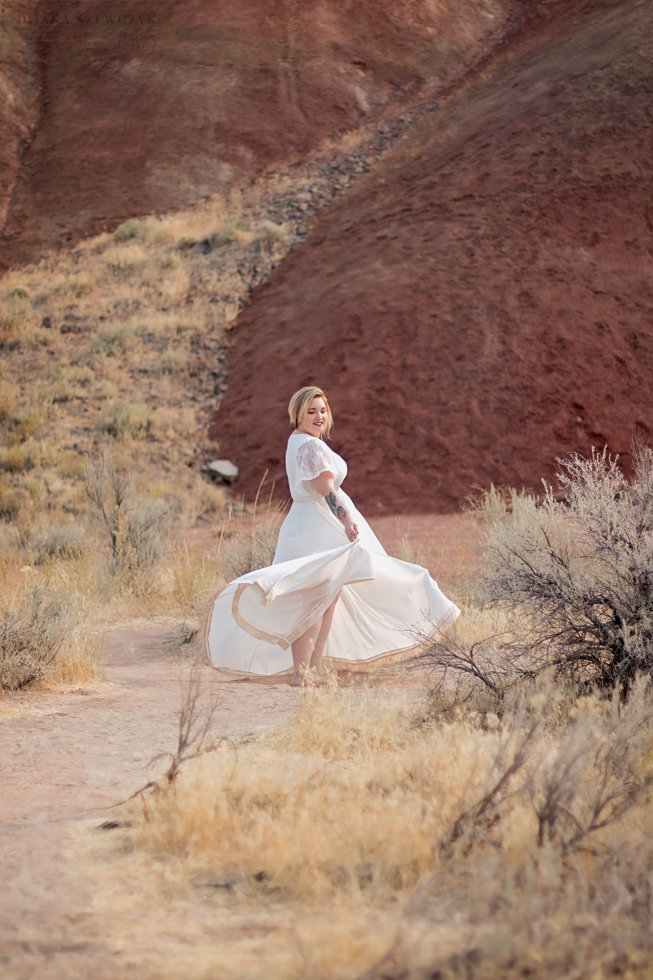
385 604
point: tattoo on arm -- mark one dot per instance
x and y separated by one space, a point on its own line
336 508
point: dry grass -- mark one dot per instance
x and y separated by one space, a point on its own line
141 570
416 844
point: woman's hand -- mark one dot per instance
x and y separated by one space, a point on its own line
351 529
325 486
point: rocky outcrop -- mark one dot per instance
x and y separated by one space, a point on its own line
482 301
150 107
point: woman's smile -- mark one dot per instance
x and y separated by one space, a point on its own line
316 417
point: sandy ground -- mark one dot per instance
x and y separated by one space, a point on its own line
67 757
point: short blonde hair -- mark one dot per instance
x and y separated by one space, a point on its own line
300 403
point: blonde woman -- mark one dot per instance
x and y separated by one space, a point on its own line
331 591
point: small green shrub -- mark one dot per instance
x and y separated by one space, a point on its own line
25 427
81 287
121 418
80 374
71 465
35 339
129 258
7 409
11 501
12 460
113 340
227 235
173 362
128 230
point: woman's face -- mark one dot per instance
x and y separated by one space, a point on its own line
316 417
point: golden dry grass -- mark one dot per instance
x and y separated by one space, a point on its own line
178 584
365 822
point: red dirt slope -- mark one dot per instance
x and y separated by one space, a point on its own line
482 301
153 106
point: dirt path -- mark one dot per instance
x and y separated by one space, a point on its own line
64 759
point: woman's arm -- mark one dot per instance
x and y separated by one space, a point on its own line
325 487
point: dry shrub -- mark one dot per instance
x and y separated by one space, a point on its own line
78 661
581 571
12 460
195 578
67 540
137 530
114 339
253 548
31 638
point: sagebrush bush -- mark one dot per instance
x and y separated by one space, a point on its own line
67 540
120 419
113 340
137 530
581 570
248 550
31 638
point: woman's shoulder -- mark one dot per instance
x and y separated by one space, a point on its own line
298 439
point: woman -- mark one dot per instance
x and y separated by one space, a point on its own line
331 591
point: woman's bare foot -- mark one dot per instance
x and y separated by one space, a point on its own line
307 677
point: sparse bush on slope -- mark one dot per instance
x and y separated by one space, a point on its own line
248 550
137 529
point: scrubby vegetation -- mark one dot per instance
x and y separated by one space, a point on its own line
128 557
120 346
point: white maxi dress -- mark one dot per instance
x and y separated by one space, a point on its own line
384 602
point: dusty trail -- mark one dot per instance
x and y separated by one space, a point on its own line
65 758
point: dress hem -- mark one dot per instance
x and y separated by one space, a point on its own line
385 659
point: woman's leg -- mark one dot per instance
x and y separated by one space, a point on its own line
302 651
320 642
308 649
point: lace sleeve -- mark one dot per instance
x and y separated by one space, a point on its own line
313 458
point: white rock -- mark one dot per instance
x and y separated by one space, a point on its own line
225 469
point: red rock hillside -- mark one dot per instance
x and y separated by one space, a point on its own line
146 106
482 301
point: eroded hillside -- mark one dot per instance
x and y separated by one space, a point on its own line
151 107
482 301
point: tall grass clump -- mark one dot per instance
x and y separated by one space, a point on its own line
246 550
